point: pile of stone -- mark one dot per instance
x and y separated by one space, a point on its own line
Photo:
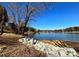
55 51
50 50
28 41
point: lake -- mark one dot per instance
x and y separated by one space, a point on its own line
56 36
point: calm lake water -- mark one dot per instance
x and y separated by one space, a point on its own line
56 36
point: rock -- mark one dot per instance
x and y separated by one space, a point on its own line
54 51
63 52
20 40
50 49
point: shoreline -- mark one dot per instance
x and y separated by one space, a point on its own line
14 43
50 47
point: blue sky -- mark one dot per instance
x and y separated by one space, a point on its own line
62 15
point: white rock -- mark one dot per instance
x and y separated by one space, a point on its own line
34 40
20 40
52 51
63 53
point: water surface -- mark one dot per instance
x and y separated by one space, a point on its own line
56 36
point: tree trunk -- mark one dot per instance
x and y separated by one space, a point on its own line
27 19
1 27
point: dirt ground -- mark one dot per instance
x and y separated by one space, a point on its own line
21 51
13 48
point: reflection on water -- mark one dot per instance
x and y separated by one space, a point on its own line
56 36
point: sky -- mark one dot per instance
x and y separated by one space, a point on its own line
62 15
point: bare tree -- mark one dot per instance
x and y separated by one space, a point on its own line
3 17
33 9
15 10
30 10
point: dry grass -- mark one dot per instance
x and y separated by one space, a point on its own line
11 36
22 51
59 43
15 49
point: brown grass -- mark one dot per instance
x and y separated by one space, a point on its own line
22 51
15 49
56 43
11 36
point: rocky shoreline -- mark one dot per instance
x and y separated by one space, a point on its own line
12 45
50 47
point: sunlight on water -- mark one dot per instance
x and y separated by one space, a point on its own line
57 36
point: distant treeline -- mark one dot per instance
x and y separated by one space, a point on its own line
70 29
